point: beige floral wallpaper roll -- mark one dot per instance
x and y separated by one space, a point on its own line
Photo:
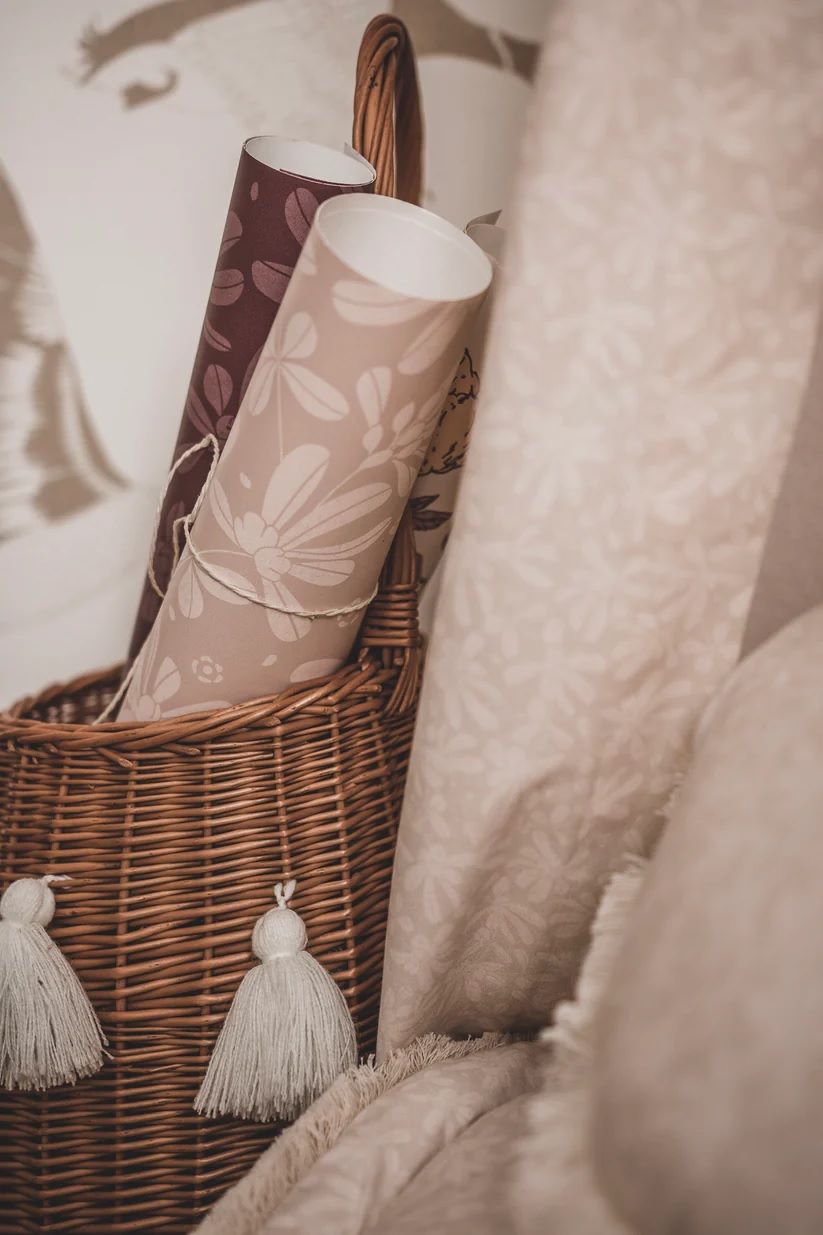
652 338
294 526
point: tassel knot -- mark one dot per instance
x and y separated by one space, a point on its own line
29 902
280 932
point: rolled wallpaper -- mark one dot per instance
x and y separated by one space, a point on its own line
278 187
285 550
434 495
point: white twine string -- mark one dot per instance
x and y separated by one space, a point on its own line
182 520
257 599
184 523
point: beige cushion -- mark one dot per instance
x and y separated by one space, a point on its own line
708 1071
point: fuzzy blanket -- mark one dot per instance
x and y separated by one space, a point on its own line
443 1135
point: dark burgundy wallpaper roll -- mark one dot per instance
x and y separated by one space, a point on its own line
268 220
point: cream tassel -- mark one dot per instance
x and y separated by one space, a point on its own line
288 1032
49 1033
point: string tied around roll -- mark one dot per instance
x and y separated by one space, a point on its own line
182 527
288 1033
49 1031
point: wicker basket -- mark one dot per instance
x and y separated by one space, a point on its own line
174 833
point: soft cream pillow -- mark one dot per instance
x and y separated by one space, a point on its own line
708 1069
553 1190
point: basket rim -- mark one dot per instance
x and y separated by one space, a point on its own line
317 697
386 668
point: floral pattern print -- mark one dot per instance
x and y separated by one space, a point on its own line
307 493
434 496
207 670
157 685
266 226
278 544
282 361
652 338
447 452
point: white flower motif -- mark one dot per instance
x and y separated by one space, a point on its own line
413 429
280 545
281 363
410 431
149 695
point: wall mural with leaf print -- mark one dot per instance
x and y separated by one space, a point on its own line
119 133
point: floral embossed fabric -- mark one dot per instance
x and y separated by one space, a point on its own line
651 340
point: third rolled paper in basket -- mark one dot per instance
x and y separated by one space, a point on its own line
434 496
286 547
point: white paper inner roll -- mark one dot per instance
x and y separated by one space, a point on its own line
404 248
310 159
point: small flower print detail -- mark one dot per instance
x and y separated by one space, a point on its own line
207 670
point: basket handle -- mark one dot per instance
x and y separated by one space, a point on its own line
390 629
388 131
388 125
